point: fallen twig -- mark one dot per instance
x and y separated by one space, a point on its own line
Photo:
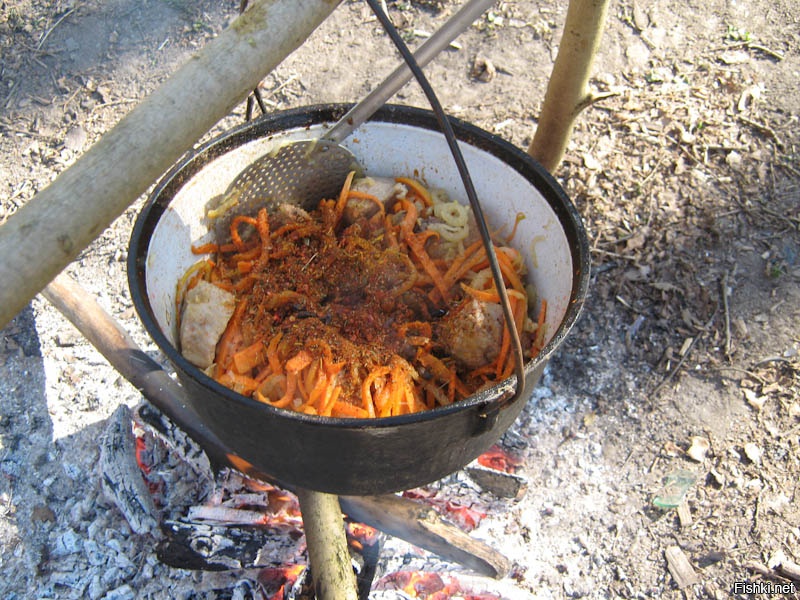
765 50
727 314
790 570
56 24
684 355
680 568
764 129
750 374
780 573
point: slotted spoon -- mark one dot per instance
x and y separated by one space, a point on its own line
304 172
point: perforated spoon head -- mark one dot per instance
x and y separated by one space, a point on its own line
300 173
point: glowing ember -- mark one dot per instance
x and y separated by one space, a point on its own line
430 586
245 501
233 499
360 535
466 517
500 460
141 448
280 580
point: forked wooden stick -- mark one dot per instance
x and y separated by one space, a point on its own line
567 89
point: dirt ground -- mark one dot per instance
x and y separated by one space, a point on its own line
687 176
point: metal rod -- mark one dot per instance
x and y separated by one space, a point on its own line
447 130
362 111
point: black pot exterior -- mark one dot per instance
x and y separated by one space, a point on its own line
357 456
348 456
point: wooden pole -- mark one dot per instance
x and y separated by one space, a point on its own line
118 347
567 90
49 232
331 567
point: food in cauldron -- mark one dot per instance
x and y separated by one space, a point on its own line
377 303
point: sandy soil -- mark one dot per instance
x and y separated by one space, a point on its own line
687 176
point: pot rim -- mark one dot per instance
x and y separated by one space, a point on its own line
312 115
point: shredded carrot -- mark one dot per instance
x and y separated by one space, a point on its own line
508 271
345 409
417 247
210 248
235 237
247 359
417 188
343 196
248 255
347 322
365 196
492 295
275 364
330 397
288 396
317 394
299 361
227 344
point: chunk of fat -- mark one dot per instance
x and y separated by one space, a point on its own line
207 310
385 189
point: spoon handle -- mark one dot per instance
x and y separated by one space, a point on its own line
362 111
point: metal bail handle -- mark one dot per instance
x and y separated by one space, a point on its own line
489 415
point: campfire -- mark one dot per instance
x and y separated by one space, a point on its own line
209 519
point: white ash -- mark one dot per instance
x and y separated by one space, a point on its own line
81 546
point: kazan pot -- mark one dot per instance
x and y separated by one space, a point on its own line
362 456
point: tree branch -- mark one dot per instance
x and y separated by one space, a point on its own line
567 91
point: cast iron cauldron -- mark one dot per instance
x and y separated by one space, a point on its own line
347 456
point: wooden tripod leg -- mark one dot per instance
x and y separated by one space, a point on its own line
331 568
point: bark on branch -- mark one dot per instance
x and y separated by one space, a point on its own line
567 91
49 232
331 568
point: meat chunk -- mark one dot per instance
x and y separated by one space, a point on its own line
385 189
288 213
473 332
207 310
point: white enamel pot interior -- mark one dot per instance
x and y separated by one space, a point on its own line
347 456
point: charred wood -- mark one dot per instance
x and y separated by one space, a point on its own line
121 477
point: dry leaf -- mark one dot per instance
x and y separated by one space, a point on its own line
699 448
753 399
636 242
753 453
590 162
